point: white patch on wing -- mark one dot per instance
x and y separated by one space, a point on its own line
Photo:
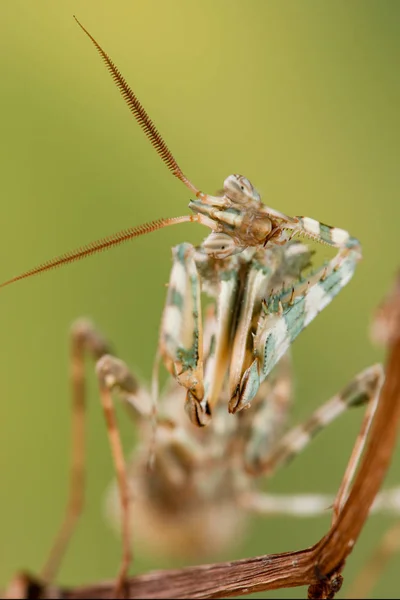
178 278
316 300
346 272
312 226
339 236
281 337
172 323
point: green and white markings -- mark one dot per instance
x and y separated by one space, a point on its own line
285 315
249 254
181 339
253 325
219 349
257 280
363 389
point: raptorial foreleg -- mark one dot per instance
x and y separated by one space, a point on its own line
181 334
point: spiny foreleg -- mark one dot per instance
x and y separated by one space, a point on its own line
181 335
285 314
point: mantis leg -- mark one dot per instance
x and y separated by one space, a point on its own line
181 335
363 389
315 505
286 314
112 374
83 340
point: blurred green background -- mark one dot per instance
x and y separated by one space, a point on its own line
302 98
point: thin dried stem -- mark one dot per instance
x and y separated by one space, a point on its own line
358 447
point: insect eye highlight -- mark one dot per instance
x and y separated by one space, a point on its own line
220 245
239 189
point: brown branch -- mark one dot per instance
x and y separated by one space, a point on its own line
319 566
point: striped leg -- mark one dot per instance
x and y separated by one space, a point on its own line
361 390
270 269
314 505
288 312
325 234
181 336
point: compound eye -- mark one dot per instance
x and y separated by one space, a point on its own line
220 245
239 189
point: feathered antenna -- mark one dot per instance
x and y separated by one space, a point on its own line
103 244
162 149
141 115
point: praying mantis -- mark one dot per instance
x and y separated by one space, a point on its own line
218 426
